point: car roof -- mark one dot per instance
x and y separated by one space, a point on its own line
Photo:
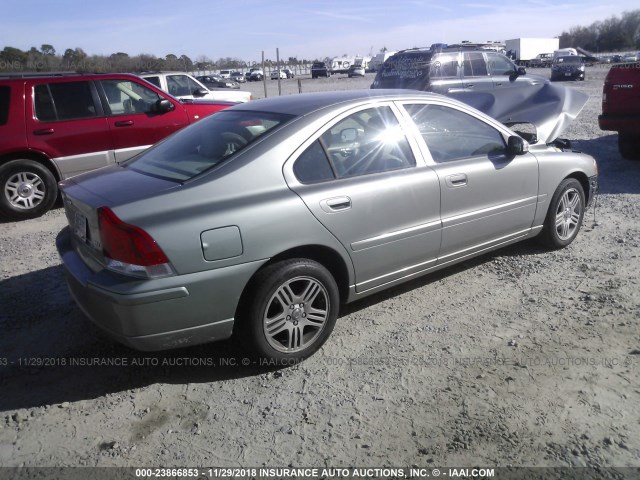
305 103
63 75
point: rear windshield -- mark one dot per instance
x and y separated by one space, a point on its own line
204 145
4 104
405 70
569 59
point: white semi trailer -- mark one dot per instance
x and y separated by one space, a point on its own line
523 50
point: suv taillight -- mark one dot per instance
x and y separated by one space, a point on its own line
129 249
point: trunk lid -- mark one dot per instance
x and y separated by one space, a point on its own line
82 201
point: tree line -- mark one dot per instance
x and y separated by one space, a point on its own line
611 35
46 59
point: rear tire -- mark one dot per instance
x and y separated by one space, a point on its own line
564 216
28 189
289 311
629 146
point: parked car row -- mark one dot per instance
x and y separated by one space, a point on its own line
215 82
185 87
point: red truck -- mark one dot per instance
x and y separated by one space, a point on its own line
621 107
56 126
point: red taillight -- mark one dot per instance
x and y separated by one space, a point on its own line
127 243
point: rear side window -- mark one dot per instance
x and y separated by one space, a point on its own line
64 101
444 66
154 80
474 65
366 142
4 104
313 165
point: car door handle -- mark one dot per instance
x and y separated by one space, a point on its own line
44 131
336 204
124 123
456 180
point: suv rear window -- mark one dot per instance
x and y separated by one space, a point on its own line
4 104
206 144
406 70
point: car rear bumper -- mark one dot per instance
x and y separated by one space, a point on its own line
620 123
157 314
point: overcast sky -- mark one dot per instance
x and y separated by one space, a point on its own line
304 29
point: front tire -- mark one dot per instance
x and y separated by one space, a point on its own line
292 309
565 215
27 189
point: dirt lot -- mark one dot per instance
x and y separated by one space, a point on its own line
523 357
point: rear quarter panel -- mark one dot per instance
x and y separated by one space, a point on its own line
248 192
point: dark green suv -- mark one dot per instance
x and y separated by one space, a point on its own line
320 69
451 69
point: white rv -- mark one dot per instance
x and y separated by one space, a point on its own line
342 64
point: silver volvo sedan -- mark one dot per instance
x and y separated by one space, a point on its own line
260 220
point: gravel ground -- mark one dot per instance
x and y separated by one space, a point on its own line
521 357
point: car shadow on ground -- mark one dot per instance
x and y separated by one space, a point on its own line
615 174
50 353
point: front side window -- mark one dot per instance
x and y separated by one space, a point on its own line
64 101
181 85
453 135
500 65
125 97
206 144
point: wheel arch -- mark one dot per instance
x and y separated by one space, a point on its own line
325 256
35 156
584 181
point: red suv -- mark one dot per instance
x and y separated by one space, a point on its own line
55 126
621 107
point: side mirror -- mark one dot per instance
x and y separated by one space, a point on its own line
162 106
200 92
516 146
348 135
515 74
